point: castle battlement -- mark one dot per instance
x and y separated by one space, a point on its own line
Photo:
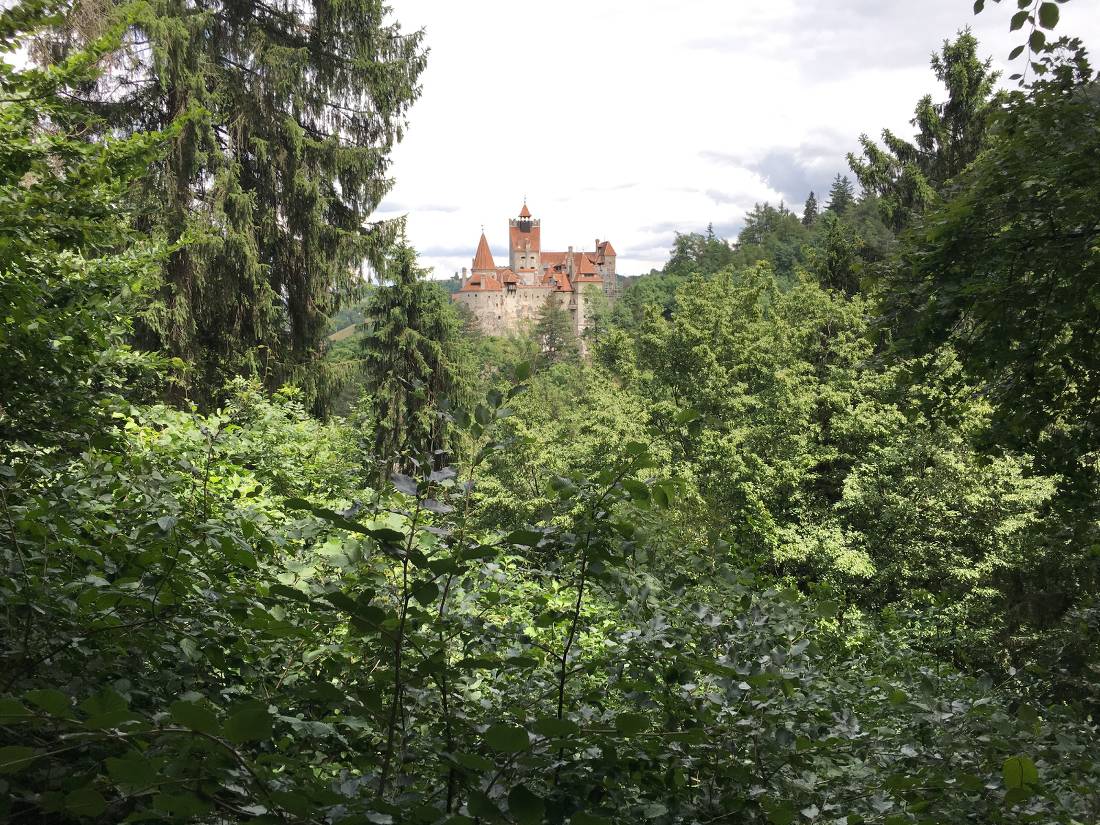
507 299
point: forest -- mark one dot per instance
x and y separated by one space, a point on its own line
805 529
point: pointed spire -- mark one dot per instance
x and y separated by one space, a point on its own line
483 258
525 212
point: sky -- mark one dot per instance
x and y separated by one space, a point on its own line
631 121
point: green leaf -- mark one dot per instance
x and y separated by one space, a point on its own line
582 818
182 806
1019 772
473 762
1018 20
194 716
779 813
687 416
1037 41
527 538
425 592
86 801
404 484
131 770
554 728
12 710
106 709
629 724
1048 15
54 702
480 805
978 6
507 738
523 371
1016 52
525 807
638 490
14 758
249 722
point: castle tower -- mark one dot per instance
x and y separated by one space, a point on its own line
483 259
605 253
525 246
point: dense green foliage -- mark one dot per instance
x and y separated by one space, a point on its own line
285 116
807 533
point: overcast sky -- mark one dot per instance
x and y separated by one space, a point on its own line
630 121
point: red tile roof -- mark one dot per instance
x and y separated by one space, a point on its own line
584 264
606 249
525 212
483 258
481 282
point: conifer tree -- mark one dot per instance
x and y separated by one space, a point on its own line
289 112
554 333
411 364
809 211
841 195
908 175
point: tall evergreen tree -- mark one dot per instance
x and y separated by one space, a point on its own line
289 112
841 195
809 211
908 175
554 333
411 364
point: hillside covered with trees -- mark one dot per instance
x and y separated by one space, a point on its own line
806 530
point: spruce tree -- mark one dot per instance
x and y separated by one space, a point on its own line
412 362
809 211
289 113
841 195
908 175
554 333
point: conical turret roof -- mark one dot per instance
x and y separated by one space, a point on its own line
483 258
525 212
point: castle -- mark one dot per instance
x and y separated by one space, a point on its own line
508 299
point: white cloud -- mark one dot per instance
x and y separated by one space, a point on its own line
632 121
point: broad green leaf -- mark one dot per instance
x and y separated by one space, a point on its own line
404 484
1048 15
473 762
629 724
1018 20
54 702
506 738
584 818
12 710
639 491
131 770
248 723
14 758
527 538
525 807
86 801
1019 771
779 813
182 806
480 805
194 716
553 728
